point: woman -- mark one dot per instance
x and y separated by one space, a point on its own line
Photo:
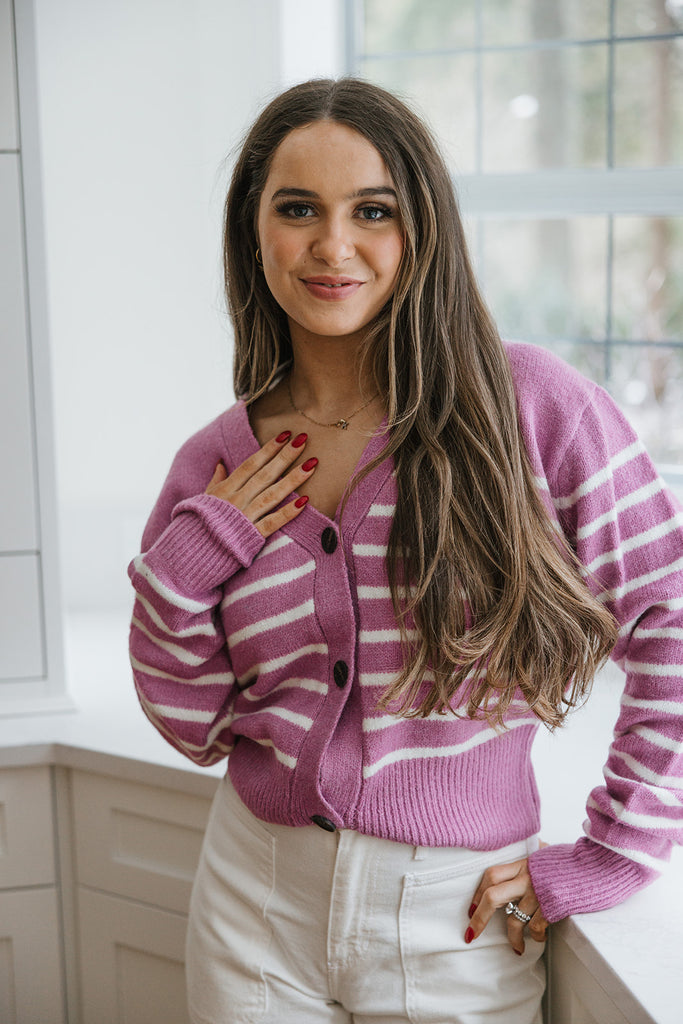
369 582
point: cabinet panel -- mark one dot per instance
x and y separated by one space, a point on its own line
575 996
132 962
17 509
135 840
26 834
21 630
8 94
30 968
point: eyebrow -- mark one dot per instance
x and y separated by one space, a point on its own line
361 193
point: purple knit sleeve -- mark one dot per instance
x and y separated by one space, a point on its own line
627 530
178 653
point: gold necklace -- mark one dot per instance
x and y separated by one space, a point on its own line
341 424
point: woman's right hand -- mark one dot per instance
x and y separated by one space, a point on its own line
264 480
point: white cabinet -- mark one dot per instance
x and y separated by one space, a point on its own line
31 675
136 851
31 970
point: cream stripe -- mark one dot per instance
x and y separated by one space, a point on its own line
303 721
665 633
370 550
262 668
665 796
201 629
637 541
643 772
274 544
284 618
186 604
212 679
373 593
628 501
381 510
266 582
420 753
672 605
285 759
602 475
641 581
658 739
311 685
175 650
637 820
648 668
637 855
662 707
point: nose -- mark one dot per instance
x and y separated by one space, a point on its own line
333 243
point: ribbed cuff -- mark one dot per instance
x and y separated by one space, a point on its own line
207 542
580 878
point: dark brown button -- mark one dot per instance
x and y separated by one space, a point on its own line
340 673
322 822
329 540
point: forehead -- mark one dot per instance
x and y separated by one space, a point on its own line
326 154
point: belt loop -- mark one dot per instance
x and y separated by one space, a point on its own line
419 853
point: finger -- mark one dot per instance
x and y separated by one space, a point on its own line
538 927
256 462
273 470
276 520
267 501
220 473
494 875
515 928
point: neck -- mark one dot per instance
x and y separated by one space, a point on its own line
324 379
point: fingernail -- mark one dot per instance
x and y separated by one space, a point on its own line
518 952
300 502
472 909
284 436
299 440
469 935
309 464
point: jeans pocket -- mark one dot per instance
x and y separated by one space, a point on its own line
448 981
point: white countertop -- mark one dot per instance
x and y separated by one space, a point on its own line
635 950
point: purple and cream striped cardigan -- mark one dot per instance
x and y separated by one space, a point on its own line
276 651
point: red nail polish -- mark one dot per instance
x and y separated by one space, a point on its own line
309 464
300 502
518 952
299 440
469 935
472 909
284 436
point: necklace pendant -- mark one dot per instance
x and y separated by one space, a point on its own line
342 424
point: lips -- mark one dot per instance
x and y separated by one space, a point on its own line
332 289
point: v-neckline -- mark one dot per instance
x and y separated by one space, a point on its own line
309 524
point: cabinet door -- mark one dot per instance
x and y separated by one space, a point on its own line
136 840
27 854
132 962
30 967
575 996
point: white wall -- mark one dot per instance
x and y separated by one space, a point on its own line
141 103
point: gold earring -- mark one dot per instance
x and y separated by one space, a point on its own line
258 258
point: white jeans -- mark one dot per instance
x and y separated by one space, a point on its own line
305 926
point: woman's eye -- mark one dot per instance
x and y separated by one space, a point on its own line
297 211
375 213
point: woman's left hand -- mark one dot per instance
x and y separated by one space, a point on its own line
502 884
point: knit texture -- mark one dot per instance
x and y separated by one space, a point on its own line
276 652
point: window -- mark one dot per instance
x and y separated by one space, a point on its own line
563 125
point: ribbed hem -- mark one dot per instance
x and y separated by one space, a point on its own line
207 542
580 878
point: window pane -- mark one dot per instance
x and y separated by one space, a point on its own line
400 25
443 90
648 107
647 382
546 279
646 17
647 278
504 23
545 108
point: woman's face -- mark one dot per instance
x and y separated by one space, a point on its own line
329 231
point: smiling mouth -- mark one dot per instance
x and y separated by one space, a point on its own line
331 289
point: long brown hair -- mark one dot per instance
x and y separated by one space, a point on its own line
469 520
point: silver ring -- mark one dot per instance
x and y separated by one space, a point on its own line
513 909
